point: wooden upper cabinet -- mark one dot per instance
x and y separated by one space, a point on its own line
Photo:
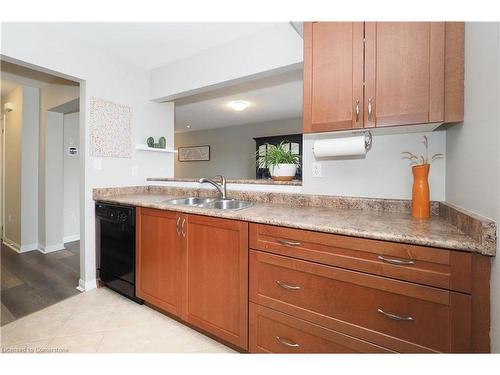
216 298
402 73
404 70
333 76
158 260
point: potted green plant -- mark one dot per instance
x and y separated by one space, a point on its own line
280 161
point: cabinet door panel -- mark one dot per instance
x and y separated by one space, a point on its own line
333 76
404 72
158 259
217 277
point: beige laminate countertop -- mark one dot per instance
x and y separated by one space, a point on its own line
373 224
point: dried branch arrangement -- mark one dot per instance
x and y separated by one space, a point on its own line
421 159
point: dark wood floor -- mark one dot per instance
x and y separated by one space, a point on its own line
32 281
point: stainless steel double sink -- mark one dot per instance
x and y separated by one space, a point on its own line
210 203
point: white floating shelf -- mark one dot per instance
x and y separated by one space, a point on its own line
147 148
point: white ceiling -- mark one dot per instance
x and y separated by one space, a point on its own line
150 45
273 98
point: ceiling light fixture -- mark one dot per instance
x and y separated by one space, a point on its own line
188 126
239 105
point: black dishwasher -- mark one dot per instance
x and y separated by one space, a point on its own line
115 244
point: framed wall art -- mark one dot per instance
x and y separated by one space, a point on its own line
110 129
194 153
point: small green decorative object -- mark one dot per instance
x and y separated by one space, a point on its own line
162 142
151 142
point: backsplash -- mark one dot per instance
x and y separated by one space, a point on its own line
382 174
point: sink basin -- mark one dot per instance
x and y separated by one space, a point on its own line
212 203
228 204
191 201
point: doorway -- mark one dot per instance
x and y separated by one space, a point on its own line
40 201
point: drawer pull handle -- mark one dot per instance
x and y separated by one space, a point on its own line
286 342
287 286
288 242
398 262
395 317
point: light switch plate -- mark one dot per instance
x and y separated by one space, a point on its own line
135 170
317 170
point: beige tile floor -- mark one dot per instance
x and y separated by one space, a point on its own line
101 321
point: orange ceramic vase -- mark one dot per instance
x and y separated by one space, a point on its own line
420 207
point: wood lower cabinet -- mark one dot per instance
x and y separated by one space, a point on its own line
401 316
195 268
216 272
158 262
315 289
376 74
299 291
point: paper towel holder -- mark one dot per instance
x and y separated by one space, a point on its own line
368 141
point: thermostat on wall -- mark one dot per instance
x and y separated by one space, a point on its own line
72 151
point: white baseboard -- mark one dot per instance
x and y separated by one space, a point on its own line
12 245
26 248
75 237
85 286
51 248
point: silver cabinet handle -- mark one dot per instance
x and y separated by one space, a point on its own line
369 109
177 227
182 227
398 262
395 317
288 242
357 110
287 286
286 342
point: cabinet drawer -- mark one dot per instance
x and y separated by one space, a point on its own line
398 315
435 267
274 332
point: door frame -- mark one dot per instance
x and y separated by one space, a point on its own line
83 283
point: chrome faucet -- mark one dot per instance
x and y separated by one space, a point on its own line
221 187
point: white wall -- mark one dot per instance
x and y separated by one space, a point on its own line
54 189
472 146
381 174
232 148
21 168
473 168
51 164
13 162
29 172
105 77
71 171
1 171
274 49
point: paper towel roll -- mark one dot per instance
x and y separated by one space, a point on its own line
349 146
